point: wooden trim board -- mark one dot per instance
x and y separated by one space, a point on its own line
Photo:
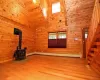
48 54
6 60
28 54
56 54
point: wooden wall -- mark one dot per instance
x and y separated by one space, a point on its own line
93 29
12 14
77 16
28 17
93 41
42 41
53 26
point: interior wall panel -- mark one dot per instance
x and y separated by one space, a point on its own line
12 15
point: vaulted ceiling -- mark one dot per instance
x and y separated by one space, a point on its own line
77 10
80 11
34 10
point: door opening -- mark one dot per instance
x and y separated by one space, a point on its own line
84 38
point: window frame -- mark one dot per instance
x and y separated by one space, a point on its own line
61 32
58 40
52 32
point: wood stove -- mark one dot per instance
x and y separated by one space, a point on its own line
19 53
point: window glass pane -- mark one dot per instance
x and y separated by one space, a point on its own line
52 36
56 7
44 12
61 35
86 35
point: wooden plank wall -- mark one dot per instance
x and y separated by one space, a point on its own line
12 14
53 26
16 13
78 17
95 21
93 41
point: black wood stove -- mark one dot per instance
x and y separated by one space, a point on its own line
19 53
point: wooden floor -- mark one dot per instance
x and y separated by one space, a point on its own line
38 67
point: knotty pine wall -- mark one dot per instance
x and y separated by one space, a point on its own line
12 14
77 16
74 47
94 30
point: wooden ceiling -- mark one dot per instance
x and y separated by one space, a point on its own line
20 10
34 11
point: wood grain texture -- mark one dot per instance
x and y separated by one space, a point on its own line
73 28
47 68
9 42
12 15
93 41
28 17
94 26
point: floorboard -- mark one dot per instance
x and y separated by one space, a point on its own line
39 67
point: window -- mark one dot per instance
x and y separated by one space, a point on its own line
56 7
61 35
52 36
52 40
44 12
86 35
57 40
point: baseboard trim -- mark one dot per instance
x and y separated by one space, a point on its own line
30 54
56 54
6 61
47 54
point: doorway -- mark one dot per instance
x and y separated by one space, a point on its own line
84 38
